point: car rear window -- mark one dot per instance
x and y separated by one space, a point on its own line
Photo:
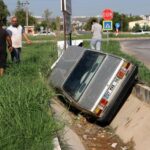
82 74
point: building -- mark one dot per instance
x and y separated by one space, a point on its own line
142 23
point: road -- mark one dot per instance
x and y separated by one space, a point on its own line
139 49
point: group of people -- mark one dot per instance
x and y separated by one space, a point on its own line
11 38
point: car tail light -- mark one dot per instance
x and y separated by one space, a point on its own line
101 106
123 70
103 102
127 66
98 111
121 73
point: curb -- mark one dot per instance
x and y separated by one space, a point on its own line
142 92
56 144
71 139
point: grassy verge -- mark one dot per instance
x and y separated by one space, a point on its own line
114 48
86 36
25 121
127 35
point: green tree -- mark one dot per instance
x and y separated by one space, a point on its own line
146 27
20 13
88 25
53 25
58 24
136 28
4 13
124 20
47 14
44 24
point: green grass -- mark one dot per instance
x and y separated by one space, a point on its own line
42 37
126 35
86 36
114 48
25 119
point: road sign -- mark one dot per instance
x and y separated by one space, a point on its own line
107 14
107 25
66 6
117 25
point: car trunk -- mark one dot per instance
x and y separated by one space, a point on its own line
99 82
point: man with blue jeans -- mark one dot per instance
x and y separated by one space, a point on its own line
16 32
97 35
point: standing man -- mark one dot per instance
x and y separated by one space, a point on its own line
97 35
4 36
16 32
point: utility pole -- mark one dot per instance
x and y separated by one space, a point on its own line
26 3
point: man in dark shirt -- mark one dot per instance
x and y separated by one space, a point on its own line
4 36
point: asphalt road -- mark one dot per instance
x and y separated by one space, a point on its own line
139 49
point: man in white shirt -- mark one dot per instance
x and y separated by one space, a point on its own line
16 32
97 35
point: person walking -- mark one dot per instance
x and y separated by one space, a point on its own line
16 32
97 35
4 40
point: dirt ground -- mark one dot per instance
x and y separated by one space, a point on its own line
95 137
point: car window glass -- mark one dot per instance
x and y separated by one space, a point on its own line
83 73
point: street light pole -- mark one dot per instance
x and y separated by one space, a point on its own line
27 12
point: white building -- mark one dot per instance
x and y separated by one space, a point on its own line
142 23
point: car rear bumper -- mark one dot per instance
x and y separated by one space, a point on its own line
120 97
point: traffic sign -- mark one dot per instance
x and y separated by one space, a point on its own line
66 6
107 14
117 25
107 25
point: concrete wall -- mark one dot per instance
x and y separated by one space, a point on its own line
132 123
142 92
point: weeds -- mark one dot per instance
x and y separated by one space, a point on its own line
25 123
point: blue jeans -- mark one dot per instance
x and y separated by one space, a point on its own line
15 55
95 44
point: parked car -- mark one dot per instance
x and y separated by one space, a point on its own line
94 82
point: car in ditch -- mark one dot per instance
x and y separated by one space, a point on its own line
94 82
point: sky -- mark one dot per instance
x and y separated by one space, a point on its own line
85 7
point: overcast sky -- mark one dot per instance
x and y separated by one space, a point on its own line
85 7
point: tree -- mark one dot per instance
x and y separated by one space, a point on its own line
20 13
58 24
53 25
146 27
19 5
47 14
124 20
88 25
4 13
136 28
